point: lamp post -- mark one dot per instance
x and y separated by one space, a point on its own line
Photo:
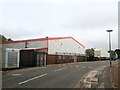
110 46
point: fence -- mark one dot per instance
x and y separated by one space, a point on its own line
62 57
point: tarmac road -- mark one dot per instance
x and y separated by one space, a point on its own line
50 76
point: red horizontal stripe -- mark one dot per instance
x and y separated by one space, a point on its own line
18 41
32 40
57 38
78 42
41 39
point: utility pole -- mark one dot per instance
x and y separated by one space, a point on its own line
110 46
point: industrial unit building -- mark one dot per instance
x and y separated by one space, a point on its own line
49 50
102 54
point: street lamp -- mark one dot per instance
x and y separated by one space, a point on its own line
110 46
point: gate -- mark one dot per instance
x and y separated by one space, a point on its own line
30 58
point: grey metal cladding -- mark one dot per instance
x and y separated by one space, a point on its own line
34 44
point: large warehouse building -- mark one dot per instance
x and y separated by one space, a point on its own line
51 50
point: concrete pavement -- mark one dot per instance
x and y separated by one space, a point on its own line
98 78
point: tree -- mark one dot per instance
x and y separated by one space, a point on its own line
90 54
118 53
4 39
113 55
9 40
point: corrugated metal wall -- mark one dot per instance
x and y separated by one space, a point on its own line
33 44
21 45
65 45
11 58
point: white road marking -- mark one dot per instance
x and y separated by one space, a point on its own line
70 66
90 77
59 69
76 66
32 79
15 74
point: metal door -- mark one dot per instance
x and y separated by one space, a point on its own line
41 59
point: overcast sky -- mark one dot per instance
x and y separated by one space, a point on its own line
85 20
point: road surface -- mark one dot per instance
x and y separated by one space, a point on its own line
51 76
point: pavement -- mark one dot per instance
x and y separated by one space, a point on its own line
93 79
105 79
98 78
115 74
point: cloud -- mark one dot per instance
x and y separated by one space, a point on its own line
85 20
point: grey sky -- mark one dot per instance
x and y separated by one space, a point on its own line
85 20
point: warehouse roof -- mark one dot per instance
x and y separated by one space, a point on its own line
41 39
